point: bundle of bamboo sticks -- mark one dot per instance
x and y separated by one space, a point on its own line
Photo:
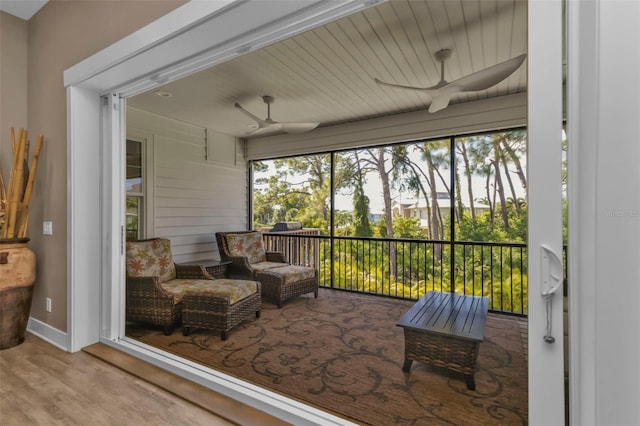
15 198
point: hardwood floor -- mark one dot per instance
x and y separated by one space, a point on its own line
43 385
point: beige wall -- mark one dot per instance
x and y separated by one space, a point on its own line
60 35
13 83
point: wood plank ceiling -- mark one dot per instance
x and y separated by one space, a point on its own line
326 74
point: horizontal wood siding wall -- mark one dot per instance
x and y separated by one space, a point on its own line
195 192
489 114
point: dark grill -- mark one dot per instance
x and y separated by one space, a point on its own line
286 226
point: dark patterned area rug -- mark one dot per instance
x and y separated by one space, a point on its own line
344 353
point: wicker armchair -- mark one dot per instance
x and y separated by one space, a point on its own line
149 265
280 280
162 292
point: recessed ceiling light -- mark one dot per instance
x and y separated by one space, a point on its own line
163 94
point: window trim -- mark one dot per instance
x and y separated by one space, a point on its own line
148 188
139 195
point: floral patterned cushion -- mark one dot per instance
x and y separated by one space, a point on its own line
249 245
236 290
293 273
150 258
262 266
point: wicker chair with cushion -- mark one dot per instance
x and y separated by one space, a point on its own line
162 292
280 280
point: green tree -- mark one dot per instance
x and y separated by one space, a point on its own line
385 161
407 227
361 209
436 157
276 199
463 151
309 175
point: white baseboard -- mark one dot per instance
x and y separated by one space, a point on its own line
46 332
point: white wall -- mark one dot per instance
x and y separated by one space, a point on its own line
195 190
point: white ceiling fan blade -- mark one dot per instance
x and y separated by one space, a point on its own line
275 127
400 86
261 122
488 77
298 127
477 81
267 130
441 100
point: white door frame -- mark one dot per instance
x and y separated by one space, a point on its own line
544 158
113 195
604 210
136 64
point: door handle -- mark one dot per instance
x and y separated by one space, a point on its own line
551 265
551 272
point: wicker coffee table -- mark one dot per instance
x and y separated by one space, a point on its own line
445 330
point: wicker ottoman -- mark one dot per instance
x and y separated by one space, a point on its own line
280 284
221 306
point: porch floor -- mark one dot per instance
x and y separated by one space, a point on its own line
343 353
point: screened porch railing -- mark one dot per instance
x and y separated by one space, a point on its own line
407 269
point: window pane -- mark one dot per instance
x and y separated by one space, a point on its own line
296 189
134 167
428 182
399 191
492 200
134 215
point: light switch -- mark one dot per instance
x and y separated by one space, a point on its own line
47 228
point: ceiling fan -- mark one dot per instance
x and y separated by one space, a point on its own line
268 126
441 93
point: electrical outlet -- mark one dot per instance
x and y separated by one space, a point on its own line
47 228
48 300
